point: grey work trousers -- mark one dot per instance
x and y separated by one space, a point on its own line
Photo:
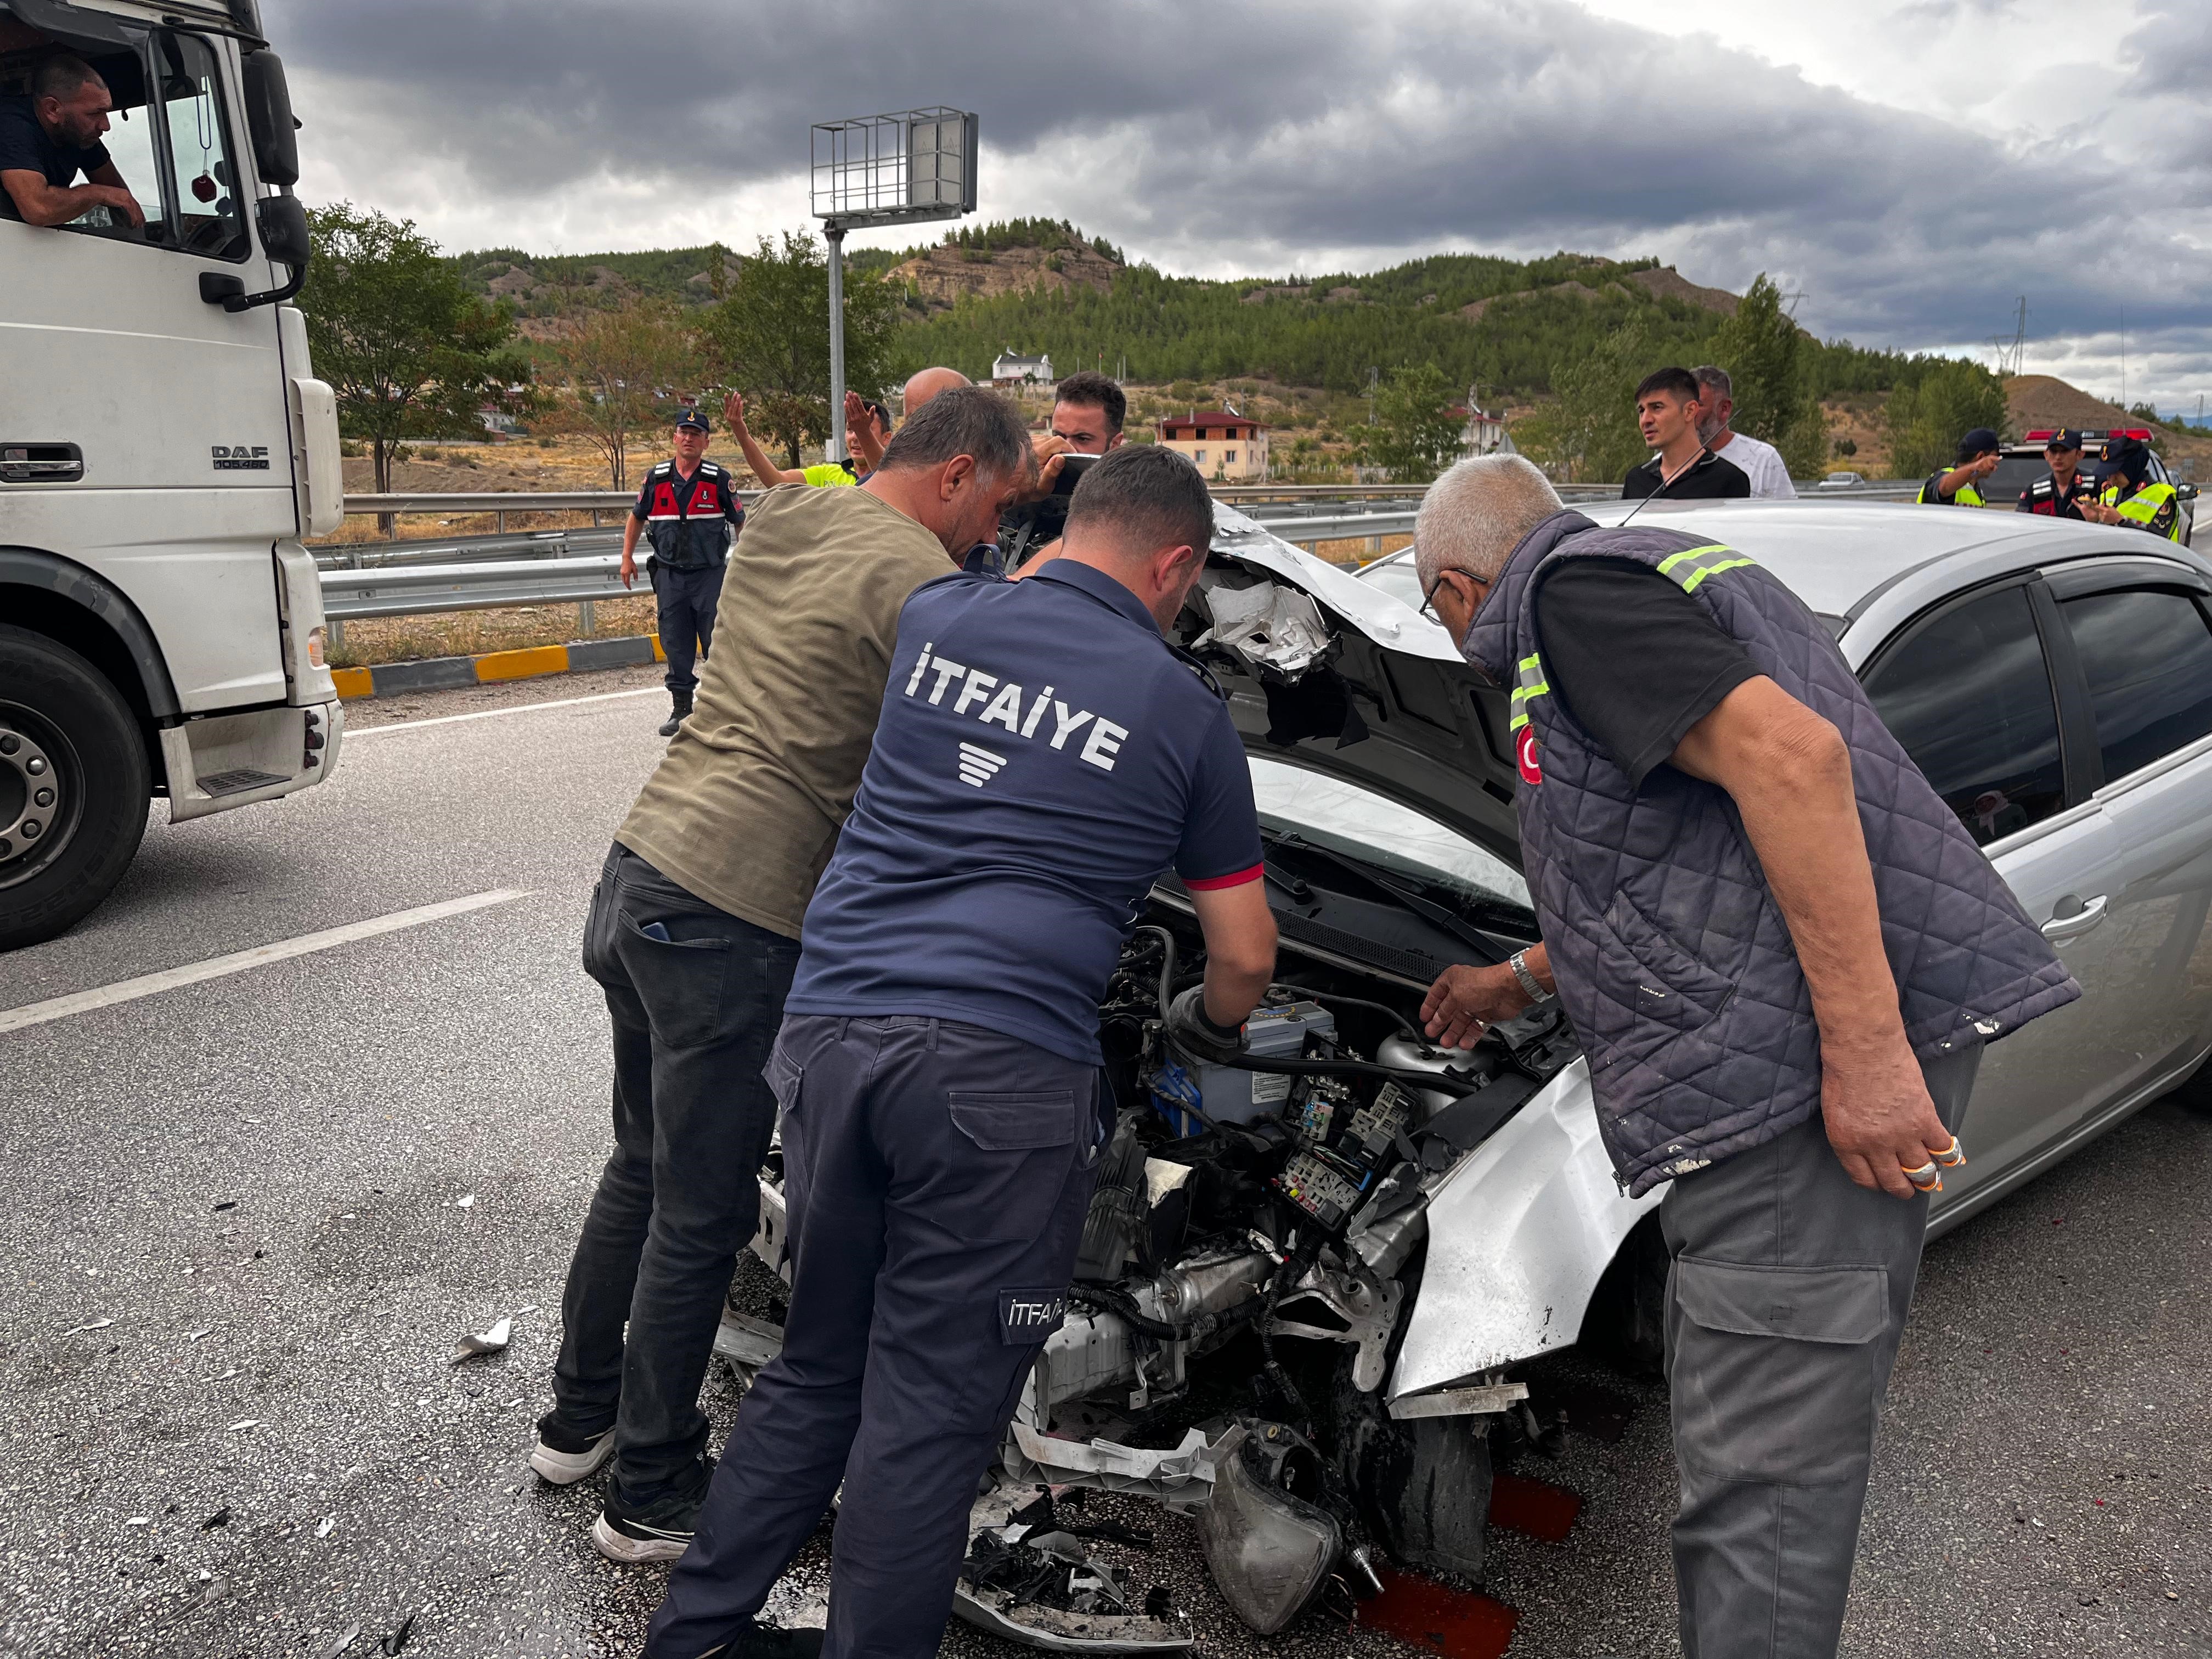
1785 1303
936 1177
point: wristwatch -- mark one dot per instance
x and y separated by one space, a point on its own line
1518 962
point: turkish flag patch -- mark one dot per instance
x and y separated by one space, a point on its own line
1524 753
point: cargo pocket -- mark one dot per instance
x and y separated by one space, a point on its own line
784 1076
1775 1370
1015 1149
1668 987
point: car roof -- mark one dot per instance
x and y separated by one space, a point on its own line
1836 555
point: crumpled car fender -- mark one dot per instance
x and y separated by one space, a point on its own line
1520 1231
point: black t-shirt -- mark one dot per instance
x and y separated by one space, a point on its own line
1631 658
27 147
1708 478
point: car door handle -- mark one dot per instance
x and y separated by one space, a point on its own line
2081 921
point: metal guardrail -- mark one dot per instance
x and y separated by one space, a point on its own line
353 595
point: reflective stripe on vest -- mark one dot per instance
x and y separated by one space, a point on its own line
1964 495
1530 684
1691 566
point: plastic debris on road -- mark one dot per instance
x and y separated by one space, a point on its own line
220 1518
494 1340
324 1529
339 1646
96 1325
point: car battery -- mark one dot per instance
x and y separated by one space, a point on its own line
1229 1094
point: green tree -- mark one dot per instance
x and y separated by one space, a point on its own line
1771 362
1417 432
1589 433
613 363
409 351
770 338
1926 420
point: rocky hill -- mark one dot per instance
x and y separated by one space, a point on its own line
941 277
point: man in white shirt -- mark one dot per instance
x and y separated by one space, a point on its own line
1761 462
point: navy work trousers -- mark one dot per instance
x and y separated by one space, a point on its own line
936 1176
684 600
694 1014
1785 1305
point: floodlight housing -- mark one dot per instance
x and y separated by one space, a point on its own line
894 168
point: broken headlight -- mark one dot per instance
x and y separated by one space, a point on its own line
1269 1546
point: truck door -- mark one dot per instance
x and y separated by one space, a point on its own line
176 407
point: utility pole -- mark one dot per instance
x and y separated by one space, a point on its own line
1374 376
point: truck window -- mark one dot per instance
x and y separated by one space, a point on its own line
201 178
173 149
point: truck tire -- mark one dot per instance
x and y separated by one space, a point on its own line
73 785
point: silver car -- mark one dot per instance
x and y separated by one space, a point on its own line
1309 1280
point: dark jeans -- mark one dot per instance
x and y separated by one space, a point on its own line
1785 1304
936 1176
695 1016
685 602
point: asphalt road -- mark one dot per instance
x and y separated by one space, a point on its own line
248 1218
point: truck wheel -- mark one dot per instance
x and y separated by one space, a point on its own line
73 785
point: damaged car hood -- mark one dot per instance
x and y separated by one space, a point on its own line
1335 675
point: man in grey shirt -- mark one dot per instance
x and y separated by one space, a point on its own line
1760 462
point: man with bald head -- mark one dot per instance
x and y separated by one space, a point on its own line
49 137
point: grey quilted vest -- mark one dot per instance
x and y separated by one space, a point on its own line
1672 958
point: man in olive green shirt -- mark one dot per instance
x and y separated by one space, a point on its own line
694 936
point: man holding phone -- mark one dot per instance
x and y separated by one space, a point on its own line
1087 412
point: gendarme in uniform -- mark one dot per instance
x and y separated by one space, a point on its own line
690 521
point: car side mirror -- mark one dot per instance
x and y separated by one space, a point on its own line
2187 492
269 118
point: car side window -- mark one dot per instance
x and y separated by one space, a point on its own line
2147 655
1968 695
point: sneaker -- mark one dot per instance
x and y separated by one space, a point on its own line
631 1542
660 1531
563 1457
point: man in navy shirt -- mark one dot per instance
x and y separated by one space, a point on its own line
1042 758
50 136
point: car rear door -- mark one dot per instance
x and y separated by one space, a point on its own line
1968 688
2140 630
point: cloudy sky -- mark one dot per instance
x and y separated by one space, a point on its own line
1908 167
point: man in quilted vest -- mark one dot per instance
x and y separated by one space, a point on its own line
1782 955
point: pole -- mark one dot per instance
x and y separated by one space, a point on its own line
834 448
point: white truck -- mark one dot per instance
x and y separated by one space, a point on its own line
163 448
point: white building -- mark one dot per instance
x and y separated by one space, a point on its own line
1009 368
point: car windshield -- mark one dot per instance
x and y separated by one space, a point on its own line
1396 576
1392 839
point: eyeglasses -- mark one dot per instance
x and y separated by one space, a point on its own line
1428 606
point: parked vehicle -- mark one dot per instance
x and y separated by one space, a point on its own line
163 446
1307 1281
2021 463
1843 481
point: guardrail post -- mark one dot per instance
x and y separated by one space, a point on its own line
587 620
499 524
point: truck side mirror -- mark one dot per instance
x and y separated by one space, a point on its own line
283 223
269 118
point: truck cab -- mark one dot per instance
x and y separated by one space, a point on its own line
164 447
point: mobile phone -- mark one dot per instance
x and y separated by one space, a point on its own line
1072 469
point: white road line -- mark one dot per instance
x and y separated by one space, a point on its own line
147 985
353 737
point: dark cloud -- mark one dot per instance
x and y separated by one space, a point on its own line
1264 137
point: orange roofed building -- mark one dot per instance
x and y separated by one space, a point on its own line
1220 444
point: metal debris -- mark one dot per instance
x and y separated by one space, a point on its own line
494 1340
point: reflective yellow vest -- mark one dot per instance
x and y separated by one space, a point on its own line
2143 508
828 475
1968 495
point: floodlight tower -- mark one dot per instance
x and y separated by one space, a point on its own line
898 168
